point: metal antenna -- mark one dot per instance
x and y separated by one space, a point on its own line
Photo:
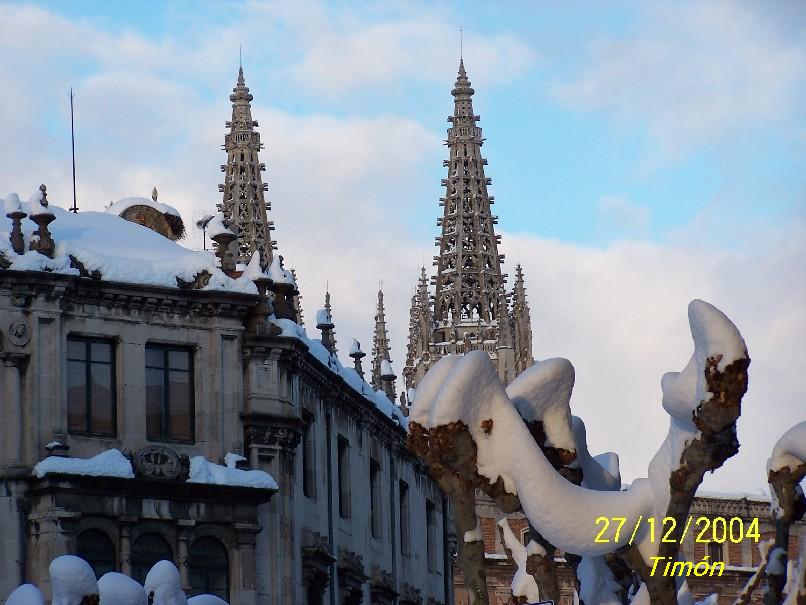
460 43
74 209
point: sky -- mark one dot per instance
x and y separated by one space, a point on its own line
642 155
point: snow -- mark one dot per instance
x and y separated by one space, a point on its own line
12 203
775 563
36 207
119 589
231 460
355 346
597 586
543 392
216 226
162 581
323 318
27 594
72 579
386 368
278 274
475 535
119 207
253 270
206 599
523 583
467 388
120 250
533 548
109 463
318 350
790 451
204 471
52 444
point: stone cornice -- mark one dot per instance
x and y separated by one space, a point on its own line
26 286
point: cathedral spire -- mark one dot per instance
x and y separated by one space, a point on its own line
420 328
380 345
243 205
523 324
469 275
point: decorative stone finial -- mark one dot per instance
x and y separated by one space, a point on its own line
357 354
154 194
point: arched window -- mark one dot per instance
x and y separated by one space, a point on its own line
209 568
146 551
95 547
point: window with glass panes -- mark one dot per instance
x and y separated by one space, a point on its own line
91 396
169 393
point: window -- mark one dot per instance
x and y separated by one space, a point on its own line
375 497
147 550
405 535
309 462
431 535
95 547
169 393
209 568
90 386
344 477
715 551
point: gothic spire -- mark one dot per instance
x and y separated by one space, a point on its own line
469 276
380 345
523 324
420 328
244 205
324 322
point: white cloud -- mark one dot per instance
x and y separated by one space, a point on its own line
694 73
619 314
622 217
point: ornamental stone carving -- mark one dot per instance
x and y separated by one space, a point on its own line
18 333
350 567
409 595
382 586
158 462
273 436
316 560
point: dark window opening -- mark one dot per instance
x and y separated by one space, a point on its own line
97 549
715 551
375 497
147 550
431 535
91 390
209 568
344 477
309 462
405 531
169 394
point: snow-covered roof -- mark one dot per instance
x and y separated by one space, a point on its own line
350 376
118 249
123 205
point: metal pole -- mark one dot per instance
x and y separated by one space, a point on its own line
74 209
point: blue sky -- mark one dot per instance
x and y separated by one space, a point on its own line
641 154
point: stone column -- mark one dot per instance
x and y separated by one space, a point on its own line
14 365
273 447
243 566
126 545
183 552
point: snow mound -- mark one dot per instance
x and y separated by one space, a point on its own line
123 205
204 471
119 589
110 463
206 599
162 582
790 451
278 274
523 583
27 594
72 579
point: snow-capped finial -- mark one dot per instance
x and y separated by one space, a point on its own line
44 199
357 354
324 322
154 194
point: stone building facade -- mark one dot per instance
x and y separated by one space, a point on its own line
210 365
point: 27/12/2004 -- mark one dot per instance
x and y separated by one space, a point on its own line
706 529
